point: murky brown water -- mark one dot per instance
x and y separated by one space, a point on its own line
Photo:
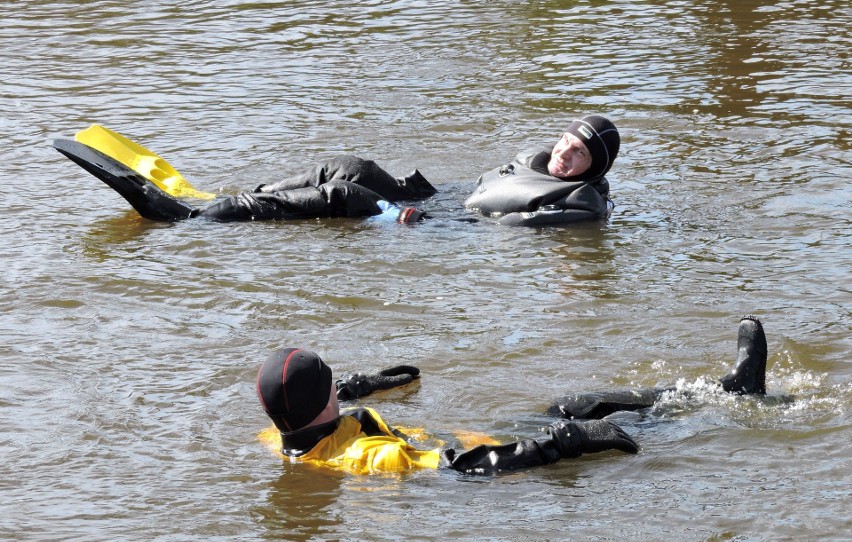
129 348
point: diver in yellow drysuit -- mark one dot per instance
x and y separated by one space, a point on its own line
296 390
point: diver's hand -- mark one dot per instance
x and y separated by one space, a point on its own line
573 439
353 385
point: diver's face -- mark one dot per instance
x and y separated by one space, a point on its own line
569 157
333 406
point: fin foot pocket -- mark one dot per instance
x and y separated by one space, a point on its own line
145 197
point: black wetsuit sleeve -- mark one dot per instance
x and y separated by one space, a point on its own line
488 459
565 439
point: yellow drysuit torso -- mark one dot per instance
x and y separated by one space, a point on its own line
362 443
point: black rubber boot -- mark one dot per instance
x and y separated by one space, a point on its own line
143 195
749 372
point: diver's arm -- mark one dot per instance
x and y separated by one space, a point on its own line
564 440
354 385
392 212
488 459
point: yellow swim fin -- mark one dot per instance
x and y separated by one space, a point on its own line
141 160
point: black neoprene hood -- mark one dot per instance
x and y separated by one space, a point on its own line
294 387
602 139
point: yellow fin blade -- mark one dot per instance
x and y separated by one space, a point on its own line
141 160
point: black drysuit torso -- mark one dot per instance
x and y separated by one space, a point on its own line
523 193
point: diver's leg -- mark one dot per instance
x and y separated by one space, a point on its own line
598 405
310 178
143 195
416 185
366 173
307 202
328 200
748 374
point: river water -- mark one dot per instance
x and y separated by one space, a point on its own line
129 348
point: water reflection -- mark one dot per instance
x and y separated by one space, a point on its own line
300 504
106 234
585 264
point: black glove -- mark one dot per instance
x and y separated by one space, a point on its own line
353 385
573 439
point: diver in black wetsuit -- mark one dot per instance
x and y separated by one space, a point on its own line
344 186
550 186
558 185
748 376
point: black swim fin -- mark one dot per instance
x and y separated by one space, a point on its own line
748 374
148 200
